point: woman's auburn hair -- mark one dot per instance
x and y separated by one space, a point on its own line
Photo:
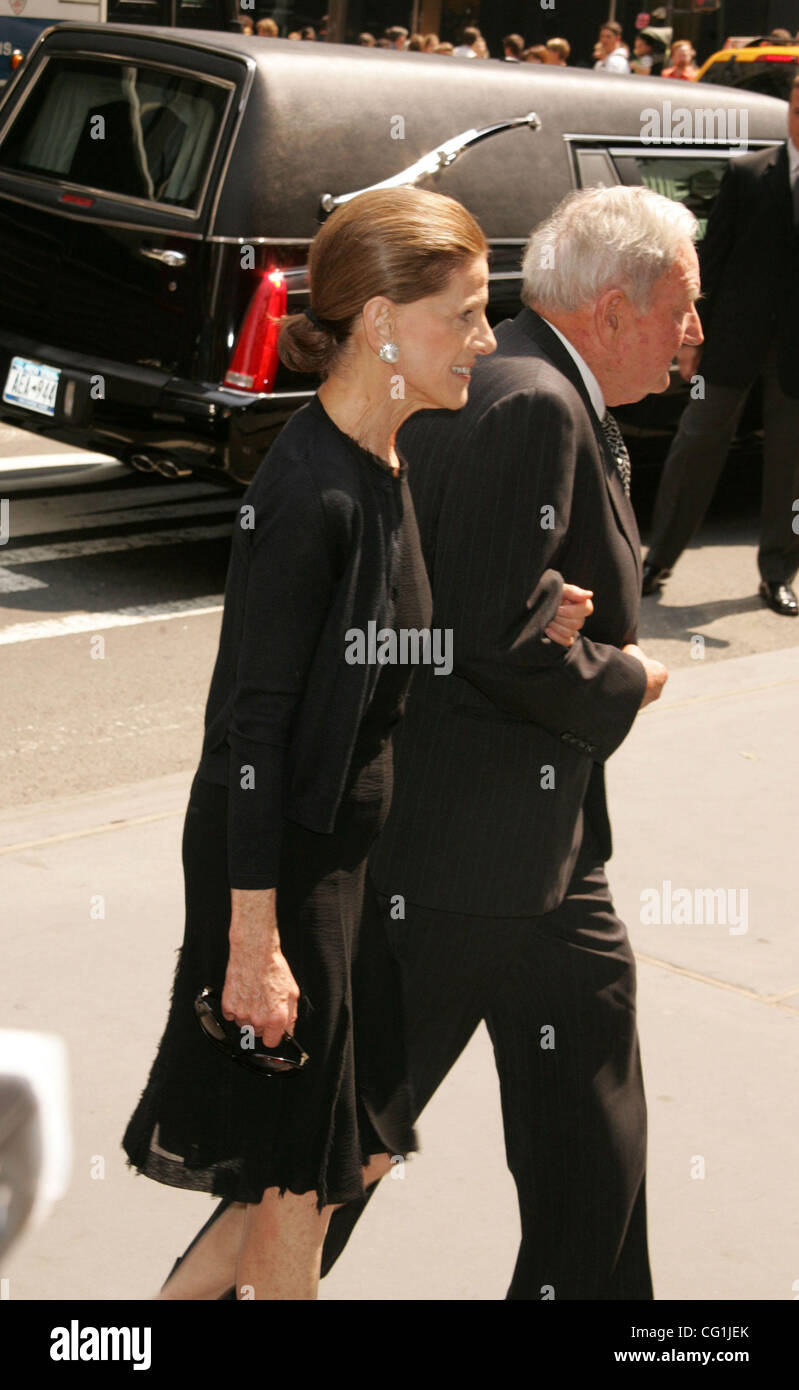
403 243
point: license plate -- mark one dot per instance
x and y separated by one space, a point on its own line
32 384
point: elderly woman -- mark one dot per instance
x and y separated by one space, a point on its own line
295 777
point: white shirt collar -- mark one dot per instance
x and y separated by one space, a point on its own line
589 380
793 160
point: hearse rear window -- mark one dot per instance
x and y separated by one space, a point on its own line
123 128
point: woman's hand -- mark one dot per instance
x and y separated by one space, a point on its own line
575 607
260 990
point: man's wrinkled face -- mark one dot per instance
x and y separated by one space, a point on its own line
650 338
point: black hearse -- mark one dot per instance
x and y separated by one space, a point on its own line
158 191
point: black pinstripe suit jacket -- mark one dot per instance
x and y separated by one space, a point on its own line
497 763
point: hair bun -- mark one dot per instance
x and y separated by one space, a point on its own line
305 344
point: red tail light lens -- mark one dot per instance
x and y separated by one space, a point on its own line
255 360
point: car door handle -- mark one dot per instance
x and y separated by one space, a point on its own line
170 258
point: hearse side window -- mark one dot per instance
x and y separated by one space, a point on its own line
118 128
693 179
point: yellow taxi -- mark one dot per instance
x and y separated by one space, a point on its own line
759 67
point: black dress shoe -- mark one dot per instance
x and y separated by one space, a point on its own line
780 597
654 577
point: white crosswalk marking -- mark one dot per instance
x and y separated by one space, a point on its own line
123 617
11 583
97 514
20 463
99 545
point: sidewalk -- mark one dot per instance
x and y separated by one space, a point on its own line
703 796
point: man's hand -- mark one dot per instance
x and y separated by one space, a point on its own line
656 673
688 359
575 607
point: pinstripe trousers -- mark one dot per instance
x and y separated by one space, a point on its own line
557 993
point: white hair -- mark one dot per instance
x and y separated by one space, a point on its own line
598 238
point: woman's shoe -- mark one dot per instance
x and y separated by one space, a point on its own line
222 1207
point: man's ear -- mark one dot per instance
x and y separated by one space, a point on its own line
609 316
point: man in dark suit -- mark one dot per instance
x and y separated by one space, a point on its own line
750 317
490 869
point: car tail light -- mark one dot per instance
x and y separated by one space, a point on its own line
254 363
17 57
776 58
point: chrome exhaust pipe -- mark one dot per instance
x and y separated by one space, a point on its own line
170 469
146 463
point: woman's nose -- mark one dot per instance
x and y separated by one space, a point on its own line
487 342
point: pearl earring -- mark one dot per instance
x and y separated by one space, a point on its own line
388 352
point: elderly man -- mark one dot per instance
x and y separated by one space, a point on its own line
490 869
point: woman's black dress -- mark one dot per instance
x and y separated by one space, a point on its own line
207 1123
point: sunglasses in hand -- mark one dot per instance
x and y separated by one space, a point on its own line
227 1037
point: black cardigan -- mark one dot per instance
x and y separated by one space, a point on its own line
314 555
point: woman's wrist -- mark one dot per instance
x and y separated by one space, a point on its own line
253 918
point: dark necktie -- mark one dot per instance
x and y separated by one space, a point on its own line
618 449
